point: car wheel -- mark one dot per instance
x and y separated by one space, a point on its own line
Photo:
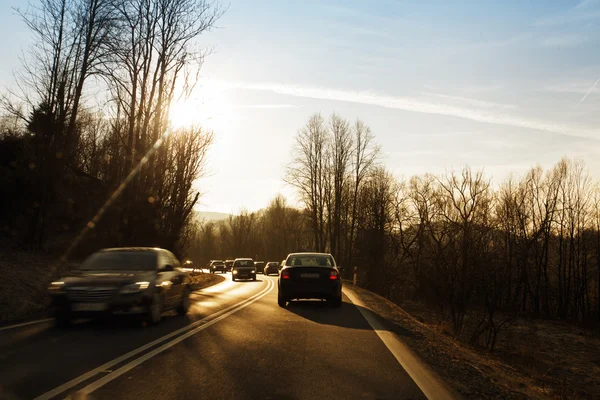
185 303
233 278
336 301
254 277
282 301
155 309
63 317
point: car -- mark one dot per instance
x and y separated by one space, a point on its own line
228 264
138 281
260 266
272 267
309 276
217 265
243 268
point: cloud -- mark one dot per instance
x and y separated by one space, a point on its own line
585 4
268 106
416 105
470 102
567 40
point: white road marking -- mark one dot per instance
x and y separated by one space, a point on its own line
39 321
430 385
86 391
108 365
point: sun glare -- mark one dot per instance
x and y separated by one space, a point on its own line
207 106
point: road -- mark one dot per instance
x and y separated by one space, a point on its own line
235 343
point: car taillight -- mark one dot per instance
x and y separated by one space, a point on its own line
285 274
333 275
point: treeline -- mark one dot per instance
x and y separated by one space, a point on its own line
88 156
268 235
478 255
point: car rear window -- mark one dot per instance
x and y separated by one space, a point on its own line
244 263
121 261
273 264
310 261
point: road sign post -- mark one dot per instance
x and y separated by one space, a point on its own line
355 270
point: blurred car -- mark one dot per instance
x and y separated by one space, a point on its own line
272 267
130 280
243 268
309 276
228 265
189 266
217 266
260 266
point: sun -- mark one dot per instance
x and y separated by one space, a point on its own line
207 106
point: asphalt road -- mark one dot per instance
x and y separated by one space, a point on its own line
235 343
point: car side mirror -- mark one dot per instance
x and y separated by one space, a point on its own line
168 268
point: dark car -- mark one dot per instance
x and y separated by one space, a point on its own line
132 281
217 266
228 264
310 276
272 267
260 266
243 268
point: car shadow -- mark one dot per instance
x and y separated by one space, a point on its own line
349 316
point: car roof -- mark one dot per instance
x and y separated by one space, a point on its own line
244 259
148 249
309 254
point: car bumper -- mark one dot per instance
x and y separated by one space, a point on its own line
127 304
320 290
244 275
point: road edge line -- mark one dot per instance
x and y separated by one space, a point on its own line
92 387
37 321
109 364
432 387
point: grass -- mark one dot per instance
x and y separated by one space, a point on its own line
537 359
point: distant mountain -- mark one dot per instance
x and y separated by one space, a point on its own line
211 216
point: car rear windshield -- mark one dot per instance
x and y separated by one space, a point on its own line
121 261
310 261
244 263
273 264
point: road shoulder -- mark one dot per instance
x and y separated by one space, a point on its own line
457 367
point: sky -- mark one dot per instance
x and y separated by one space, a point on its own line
498 85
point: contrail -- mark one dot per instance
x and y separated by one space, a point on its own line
588 93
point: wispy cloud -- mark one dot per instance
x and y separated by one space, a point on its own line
469 101
417 105
585 4
566 40
267 106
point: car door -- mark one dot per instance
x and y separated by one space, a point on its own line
166 274
177 279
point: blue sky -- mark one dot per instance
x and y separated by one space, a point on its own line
495 85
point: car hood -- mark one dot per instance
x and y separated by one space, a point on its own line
110 278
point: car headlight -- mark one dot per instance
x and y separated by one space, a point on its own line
56 286
253 271
235 271
135 287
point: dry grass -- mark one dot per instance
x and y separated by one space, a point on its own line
25 277
203 280
535 359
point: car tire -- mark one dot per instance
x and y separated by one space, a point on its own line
336 301
254 277
281 300
155 309
185 302
63 317
233 278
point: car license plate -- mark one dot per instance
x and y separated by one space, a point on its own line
310 276
89 306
